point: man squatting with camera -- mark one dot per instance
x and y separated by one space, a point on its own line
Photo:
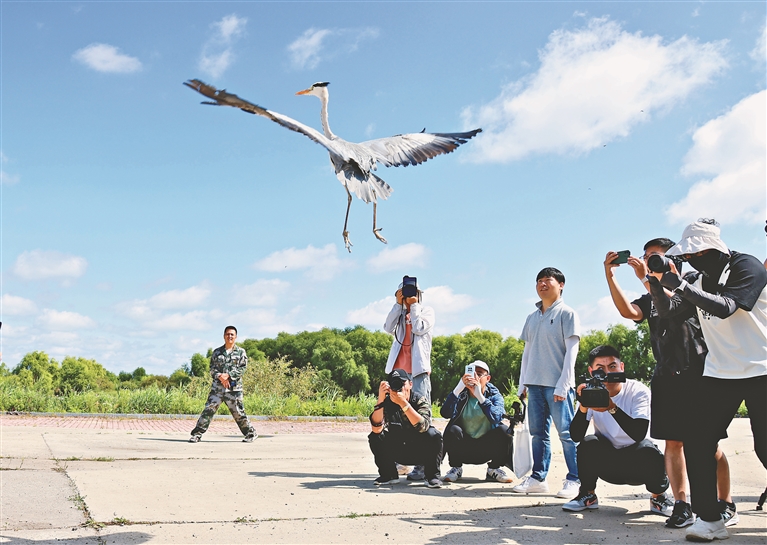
731 299
402 430
619 452
412 324
474 433
547 379
227 364
680 352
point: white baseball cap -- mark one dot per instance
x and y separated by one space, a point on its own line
482 364
699 236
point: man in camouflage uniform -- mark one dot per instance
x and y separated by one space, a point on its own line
227 364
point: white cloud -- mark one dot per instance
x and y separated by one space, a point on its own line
17 306
63 320
731 148
194 320
372 315
173 299
39 265
318 44
217 53
321 263
445 301
106 58
261 293
759 53
259 322
594 85
467 328
6 178
603 313
390 259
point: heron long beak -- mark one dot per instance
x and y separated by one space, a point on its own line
304 92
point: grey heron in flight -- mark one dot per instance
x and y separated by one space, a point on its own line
353 163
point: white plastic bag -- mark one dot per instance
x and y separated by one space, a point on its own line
523 450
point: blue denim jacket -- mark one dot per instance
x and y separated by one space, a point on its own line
493 406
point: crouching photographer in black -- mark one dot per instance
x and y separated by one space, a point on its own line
619 452
402 431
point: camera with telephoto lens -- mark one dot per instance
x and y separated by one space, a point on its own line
661 264
396 384
595 394
409 286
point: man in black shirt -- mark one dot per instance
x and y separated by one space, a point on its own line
401 430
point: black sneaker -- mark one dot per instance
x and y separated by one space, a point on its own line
386 480
194 439
729 513
581 502
681 516
434 482
250 438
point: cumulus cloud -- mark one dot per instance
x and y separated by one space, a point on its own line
261 293
17 306
5 177
262 322
63 320
194 320
602 313
730 151
594 85
318 44
106 58
390 259
445 301
217 53
372 315
173 299
40 265
320 263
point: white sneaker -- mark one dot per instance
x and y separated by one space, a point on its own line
706 531
453 475
498 475
531 486
403 470
569 490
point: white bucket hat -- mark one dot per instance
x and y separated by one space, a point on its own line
699 236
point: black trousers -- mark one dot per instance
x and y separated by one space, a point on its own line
493 447
714 407
641 463
406 447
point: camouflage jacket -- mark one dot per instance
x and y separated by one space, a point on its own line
233 364
395 418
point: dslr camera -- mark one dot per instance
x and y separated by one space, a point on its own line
396 384
595 394
409 287
661 264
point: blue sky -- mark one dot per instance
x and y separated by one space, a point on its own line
137 223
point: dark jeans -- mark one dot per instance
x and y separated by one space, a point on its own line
714 406
406 447
641 463
493 447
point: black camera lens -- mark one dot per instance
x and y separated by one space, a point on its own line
659 263
409 286
396 384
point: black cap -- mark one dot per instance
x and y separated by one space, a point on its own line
400 373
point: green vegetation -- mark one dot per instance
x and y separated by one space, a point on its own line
331 372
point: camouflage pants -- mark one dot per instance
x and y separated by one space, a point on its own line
233 400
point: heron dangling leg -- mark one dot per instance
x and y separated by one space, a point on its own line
375 231
347 242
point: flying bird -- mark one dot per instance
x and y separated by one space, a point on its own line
353 163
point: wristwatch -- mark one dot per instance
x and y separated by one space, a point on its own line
612 411
406 408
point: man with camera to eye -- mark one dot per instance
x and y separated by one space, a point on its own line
475 433
401 430
619 451
411 323
730 296
680 351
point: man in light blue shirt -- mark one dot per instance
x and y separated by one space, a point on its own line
547 379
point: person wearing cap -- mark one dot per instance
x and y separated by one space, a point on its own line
401 430
411 323
547 380
730 294
474 433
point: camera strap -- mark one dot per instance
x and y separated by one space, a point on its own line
404 329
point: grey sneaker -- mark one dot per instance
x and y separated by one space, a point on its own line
417 474
729 513
453 475
681 516
497 474
434 482
194 439
581 502
661 505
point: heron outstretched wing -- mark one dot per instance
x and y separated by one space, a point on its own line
223 98
415 148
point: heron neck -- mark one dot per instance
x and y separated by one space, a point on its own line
324 118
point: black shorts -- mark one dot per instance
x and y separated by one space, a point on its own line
670 405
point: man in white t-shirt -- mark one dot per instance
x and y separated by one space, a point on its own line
731 299
619 452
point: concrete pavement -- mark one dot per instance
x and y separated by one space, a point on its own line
77 486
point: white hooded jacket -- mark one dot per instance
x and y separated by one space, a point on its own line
422 322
